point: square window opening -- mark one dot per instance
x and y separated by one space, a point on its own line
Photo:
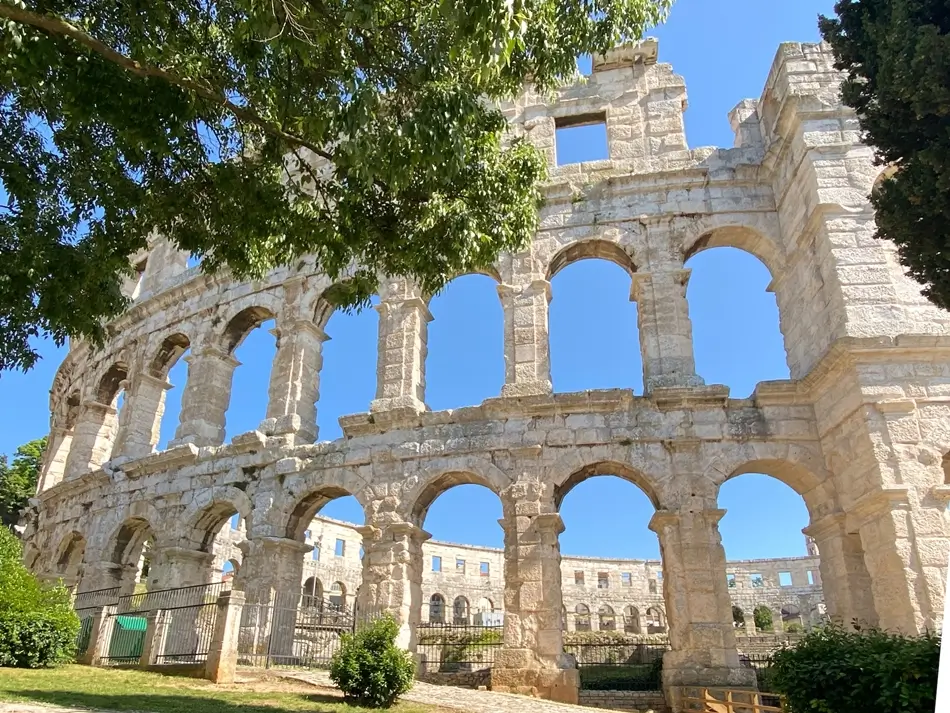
483 569
757 581
578 139
785 579
603 580
731 581
625 579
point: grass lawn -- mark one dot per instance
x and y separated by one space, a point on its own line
121 690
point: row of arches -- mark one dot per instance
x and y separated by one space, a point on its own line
652 622
461 612
736 334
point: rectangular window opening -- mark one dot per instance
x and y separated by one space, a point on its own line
316 553
340 548
757 580
785 579
811 577
460 566
603 580
579 578
436 563
483 569
731 581
581 138
652 586
625 579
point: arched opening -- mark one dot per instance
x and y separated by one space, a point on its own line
594 338
460 613
466 353
631 620
171 365
606 618
485 605
792 620
111 392
337 599
655 620
312 592
737 339
69 561
581 617
436 609
348 373
230 569
131 551
249 338
763 619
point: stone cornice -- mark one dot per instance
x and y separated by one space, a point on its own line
172 458
88 481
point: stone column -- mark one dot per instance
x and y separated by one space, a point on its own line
403 344
176 567
271 566
698 607
205 400
392 576
92 439
156 629
295 382
906 564
527 348
845 582
222 657
532 658
666 333
145 404
100 636
54 461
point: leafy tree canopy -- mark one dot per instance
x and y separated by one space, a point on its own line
191 118
897 56
18 479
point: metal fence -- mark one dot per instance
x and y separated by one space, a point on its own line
187 633
619 666
293 633
762 664
127 640
454 648
172 598
85 604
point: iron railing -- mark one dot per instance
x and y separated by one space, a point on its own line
127 640
619 666
172 598
449 648
187 633
95 598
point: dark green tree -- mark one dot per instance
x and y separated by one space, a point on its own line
253 133
762 616
897 57
18 479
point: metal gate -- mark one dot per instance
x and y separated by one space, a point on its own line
293 632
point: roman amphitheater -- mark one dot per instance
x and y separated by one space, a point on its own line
860 430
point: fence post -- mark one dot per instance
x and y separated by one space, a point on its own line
222 656
156 628
100 636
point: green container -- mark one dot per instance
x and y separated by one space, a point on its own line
128 637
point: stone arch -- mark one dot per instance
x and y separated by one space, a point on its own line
582 618
242 324
591 249
440 478
210 509
460 610
606 618
751 234
313 589
167 353
235 567
112 382
485 605
436 609
631 619
69 555
304 497
129 537
655 620
566 477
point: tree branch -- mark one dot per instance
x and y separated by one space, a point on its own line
57 26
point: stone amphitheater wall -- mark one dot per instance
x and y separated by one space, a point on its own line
861 429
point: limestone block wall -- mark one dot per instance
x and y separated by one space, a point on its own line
861 429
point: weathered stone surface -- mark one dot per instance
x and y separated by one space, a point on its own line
861 430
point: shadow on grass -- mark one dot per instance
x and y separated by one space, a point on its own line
155 703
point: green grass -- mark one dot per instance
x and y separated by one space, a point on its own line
126 690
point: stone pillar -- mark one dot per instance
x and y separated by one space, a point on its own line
222 657
906 564
142 425
100 636
205 400
698 607
295 382
271 566
845 582
403 344
54 461
102 575
156 629
392 576
92 439
165 262
666 333
527 349
176 567
532 659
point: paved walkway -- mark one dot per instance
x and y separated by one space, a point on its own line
462 699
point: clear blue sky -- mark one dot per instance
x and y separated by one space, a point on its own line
724 49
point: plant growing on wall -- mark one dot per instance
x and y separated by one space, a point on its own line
762 616
253 134
895 53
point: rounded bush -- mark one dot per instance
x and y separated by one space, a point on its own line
832 669
369 668
38 626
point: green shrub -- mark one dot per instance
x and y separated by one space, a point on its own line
839 671
762 616
38 626
369 668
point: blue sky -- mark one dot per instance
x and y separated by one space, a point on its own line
724 49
